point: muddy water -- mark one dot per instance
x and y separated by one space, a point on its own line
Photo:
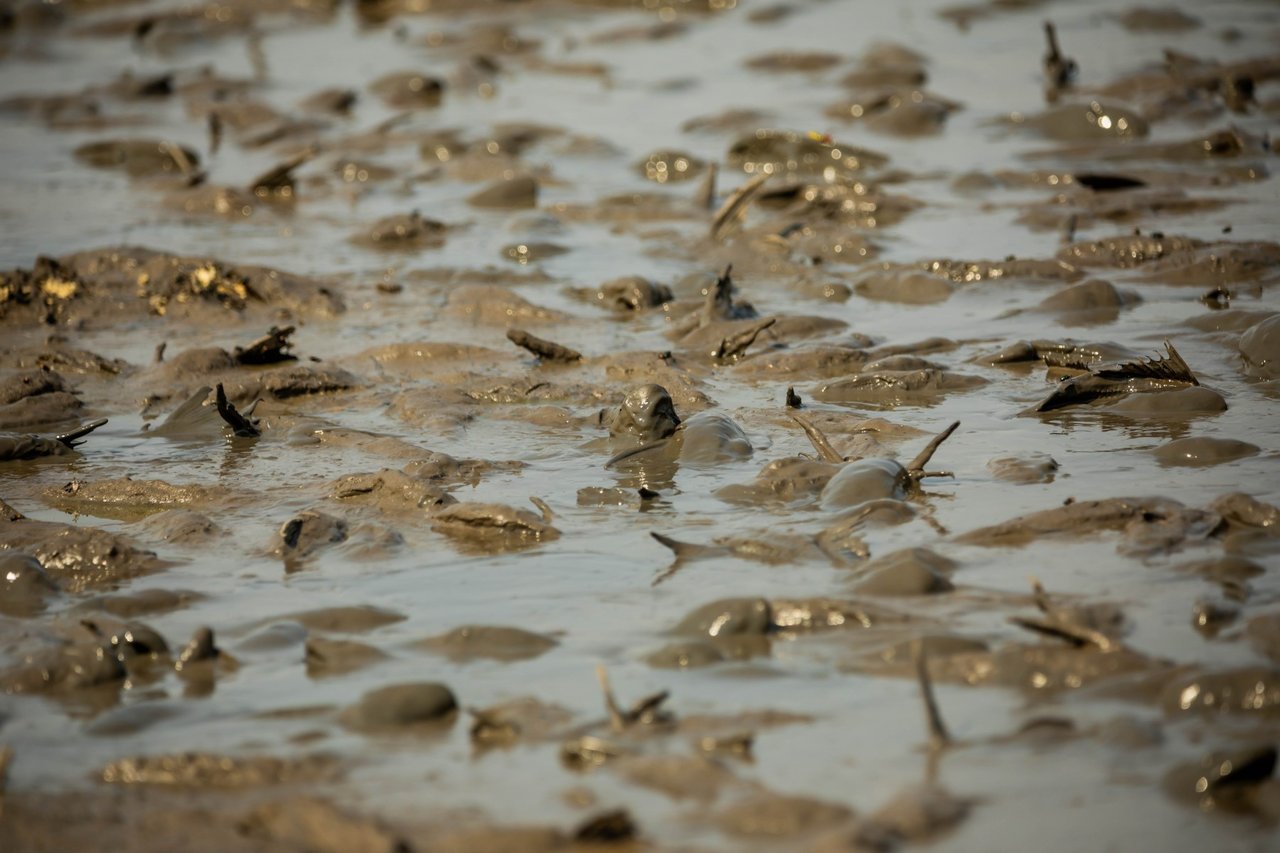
601 89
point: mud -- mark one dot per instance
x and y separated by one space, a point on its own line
374 375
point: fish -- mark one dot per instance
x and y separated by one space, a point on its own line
1143 375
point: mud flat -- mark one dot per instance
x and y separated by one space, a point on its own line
694 425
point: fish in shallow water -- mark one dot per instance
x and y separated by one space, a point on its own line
1114 380
35 446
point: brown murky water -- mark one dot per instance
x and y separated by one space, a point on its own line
925 204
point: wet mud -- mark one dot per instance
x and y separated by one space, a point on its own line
697 424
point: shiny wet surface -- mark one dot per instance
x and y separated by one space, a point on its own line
862 736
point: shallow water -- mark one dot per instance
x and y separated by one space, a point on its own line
593 586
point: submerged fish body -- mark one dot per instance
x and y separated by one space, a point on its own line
707 438
711 437
14 447
866 480
896 387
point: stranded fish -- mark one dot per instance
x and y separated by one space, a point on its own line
35 446
1131 377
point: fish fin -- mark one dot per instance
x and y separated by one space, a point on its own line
819 440
719 301
735 204
648 708
616 718
282 173
1172 367
70 438
735 345
547 515
240 425
190 407
681 550
916 467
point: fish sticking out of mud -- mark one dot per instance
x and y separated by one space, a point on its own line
1081 626
720 304
647 711
647 412
278 181
542 348
735 205
1130 377
240 425
271 348
1059 70
735 345
862 480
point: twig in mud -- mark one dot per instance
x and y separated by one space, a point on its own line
735 204
239 424
160 348
938 736
543 349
